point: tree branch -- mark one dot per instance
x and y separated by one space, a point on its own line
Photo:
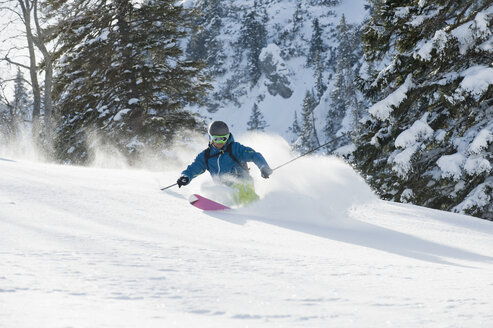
10 61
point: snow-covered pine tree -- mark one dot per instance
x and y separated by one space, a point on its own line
295 130
15 112
205 43
320 86
344 114
317 47
291 39
308 134
336 112
297 19
256 121
123 76
430 137
253 39
21 103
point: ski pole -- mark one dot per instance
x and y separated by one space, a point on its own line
308 152
174 184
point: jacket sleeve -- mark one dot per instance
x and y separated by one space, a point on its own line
247 154
197 167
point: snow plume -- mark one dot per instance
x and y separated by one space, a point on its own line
23 146
107 155
325 187
104 154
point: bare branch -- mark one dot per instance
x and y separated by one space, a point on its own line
11 10
10 61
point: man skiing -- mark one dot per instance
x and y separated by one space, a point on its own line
226 160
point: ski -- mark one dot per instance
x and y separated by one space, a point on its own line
206 204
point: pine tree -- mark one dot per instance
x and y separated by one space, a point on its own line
418 90
297 20
256 122
253 39
295 129
345 103
308 133
337 110
123 77
21 104
320 86
205 43
14 113
291 40
317 47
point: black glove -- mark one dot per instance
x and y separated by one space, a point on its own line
183 181
266 172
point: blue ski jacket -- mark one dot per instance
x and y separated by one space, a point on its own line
222 163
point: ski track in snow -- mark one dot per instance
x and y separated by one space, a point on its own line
89 247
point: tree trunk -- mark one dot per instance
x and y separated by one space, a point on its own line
33 70
48 83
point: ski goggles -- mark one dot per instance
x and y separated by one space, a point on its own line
220 139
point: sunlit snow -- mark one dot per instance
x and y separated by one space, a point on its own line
93 247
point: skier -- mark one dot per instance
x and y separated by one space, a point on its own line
226 160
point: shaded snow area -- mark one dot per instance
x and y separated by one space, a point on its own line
93 247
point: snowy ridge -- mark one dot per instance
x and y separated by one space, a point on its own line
92 247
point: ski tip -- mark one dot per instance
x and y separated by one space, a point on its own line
193 199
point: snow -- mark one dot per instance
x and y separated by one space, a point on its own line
101 38
451 165
476 165
354 11
94 247
480 26
419 131
382 109
406 196
410 140
476 81
481 141
273 51
478 197
402 160
439 42
465 34
118 115
236 95
471 157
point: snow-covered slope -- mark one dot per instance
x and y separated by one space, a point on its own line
236 95
93 247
